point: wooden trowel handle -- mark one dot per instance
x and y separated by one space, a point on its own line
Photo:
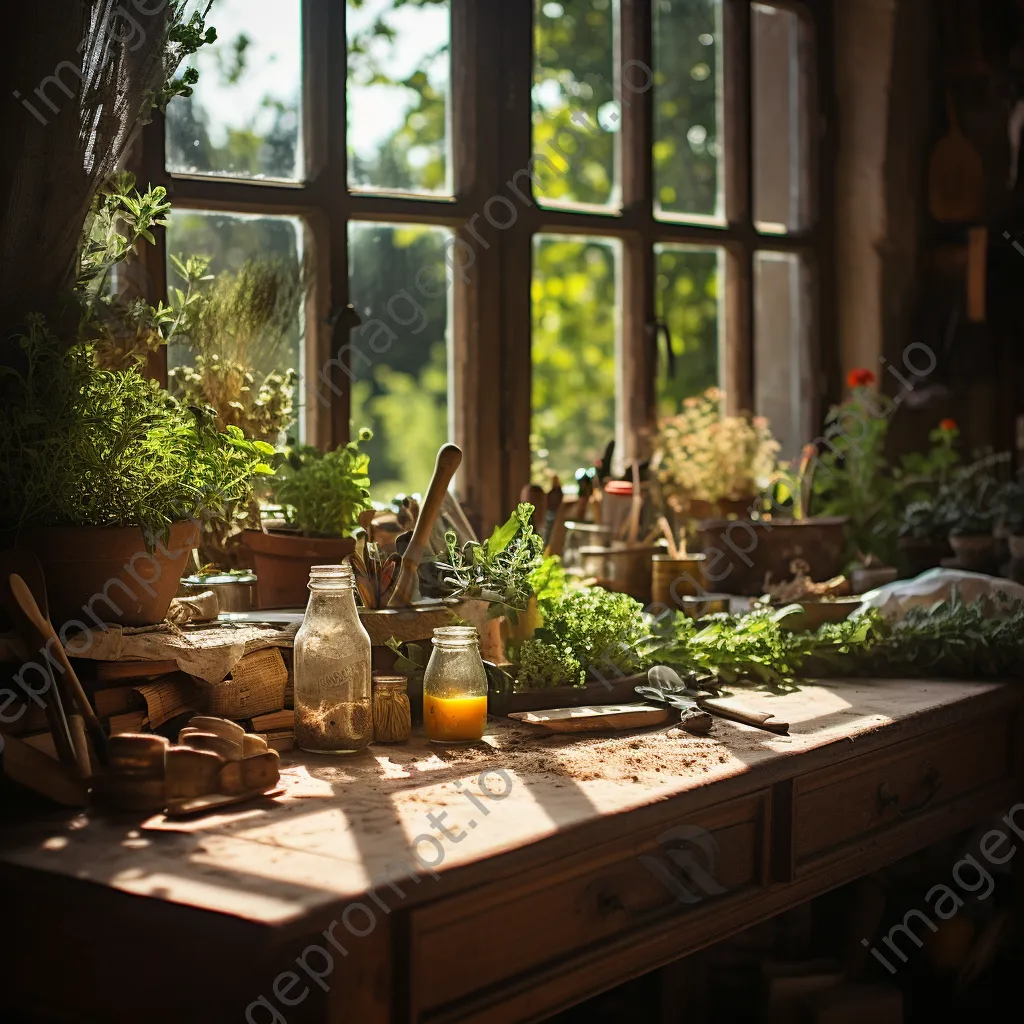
449 458
758 719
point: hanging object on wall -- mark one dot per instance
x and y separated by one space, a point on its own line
977 268
955 175
1014 127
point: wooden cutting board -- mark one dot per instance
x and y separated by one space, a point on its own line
594 718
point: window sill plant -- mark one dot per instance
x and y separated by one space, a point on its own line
972 539
710 465
321 496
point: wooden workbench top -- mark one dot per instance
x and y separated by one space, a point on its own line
341 822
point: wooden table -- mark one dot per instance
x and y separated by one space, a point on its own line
526 874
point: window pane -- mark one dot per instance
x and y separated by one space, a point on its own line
398 75
687 108
399 356
687 299
575 341
576 118
244 118
783 385
259 330
779 158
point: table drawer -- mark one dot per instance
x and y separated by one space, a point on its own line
846 802
476 945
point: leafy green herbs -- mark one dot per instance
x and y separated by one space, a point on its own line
727 649
603 632
952 639
499 570
590 633
91 447
323 493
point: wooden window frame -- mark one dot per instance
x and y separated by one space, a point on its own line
491 132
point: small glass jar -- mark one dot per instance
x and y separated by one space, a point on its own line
392 713
455 688
333 707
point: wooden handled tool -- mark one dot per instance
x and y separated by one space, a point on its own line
449 458
758 719
48 639
27 566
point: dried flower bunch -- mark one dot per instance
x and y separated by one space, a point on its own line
705 455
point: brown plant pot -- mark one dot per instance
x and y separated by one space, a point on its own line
740 553
724 508
626 569
282 562
675 578
106 574
921 555
976 553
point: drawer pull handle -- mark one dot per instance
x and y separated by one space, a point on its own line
608 903
887 798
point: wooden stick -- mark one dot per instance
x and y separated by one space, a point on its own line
44 628
673 550
636 507
449 458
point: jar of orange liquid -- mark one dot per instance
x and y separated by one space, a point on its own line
455 687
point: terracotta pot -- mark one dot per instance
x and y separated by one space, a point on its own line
106 574
492 645
283 560
976 553
740 552
921 555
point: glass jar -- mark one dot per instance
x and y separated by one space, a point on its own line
333 709
455 687
392 713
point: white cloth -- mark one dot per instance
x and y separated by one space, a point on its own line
934 586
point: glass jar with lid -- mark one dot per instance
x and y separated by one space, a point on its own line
455 687
333 704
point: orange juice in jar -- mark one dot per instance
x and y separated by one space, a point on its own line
455 688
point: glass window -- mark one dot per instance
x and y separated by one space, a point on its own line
399 354
784 383
778 116
576 316
258 314
398 106
244 118
576 113
688 109
688 283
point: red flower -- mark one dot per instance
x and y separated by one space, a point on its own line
948 424
860 378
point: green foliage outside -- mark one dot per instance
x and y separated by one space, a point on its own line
576 301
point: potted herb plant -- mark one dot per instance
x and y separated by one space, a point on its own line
321 496
713 465
497 574
740 556
236 345
972 539
924 535
108 479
